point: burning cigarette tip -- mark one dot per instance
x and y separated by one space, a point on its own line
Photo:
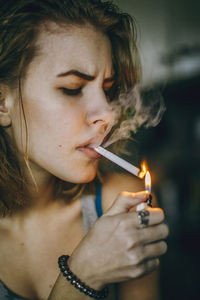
118 161
141 174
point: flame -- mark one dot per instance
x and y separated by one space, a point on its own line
148 181
143 170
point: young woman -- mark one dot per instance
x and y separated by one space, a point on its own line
62 64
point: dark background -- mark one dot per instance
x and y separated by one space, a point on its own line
169 42
172 150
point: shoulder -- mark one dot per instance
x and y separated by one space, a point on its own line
114 183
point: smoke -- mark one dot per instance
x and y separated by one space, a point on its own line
135 109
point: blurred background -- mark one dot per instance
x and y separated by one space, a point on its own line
169 45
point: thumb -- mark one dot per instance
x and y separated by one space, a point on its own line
125 201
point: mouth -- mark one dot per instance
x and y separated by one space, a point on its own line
88 148
93 142
89 152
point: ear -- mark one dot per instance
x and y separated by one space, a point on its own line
5 119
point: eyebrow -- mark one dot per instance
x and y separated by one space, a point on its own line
83 75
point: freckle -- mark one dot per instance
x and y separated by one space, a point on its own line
60 146
22 244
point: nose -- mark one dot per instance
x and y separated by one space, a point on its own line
100 113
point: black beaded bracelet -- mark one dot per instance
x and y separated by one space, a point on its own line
77 283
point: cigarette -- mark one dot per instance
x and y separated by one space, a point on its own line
125 165
118 161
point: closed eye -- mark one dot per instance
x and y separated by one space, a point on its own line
71 92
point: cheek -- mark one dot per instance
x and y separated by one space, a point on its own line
48 126
53 135
50 129
55 128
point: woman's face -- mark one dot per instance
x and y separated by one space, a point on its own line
65 103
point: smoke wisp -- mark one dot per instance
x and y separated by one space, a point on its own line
135 109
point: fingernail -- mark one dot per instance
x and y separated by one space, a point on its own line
143 194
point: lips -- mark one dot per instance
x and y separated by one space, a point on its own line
89 152
93 142
88 147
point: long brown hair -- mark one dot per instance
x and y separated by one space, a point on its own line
19 27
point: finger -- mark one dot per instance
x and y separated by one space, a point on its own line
149 216
126 200
147 267
155 249
142 253
154 233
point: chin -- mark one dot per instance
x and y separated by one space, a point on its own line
86 178
82 176
87 174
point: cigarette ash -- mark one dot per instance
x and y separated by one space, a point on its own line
133 110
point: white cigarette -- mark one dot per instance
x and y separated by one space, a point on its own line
123 164
119 161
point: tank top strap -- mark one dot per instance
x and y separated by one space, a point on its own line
98 200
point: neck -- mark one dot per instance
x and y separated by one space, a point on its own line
42 195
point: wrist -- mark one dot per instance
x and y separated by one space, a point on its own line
77 283
85 275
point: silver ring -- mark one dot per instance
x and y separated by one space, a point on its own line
143 216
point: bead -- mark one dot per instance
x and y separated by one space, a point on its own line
77 283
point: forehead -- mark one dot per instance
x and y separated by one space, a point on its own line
72 47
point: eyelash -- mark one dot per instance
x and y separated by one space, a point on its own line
75 92
71 92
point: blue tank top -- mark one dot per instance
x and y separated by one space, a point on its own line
98 201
